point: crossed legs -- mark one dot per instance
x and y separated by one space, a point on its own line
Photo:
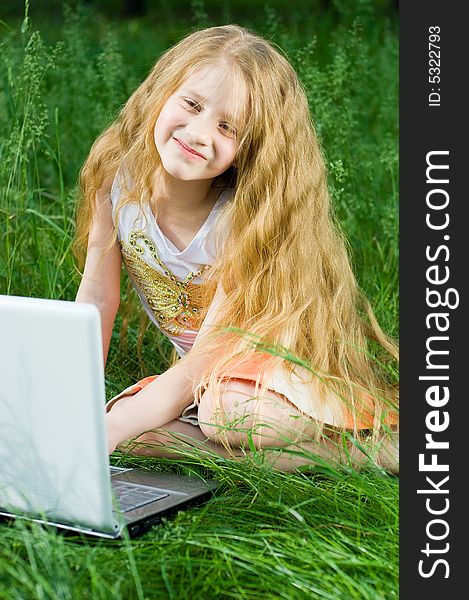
269 423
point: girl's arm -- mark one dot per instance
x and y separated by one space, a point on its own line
100 283
164 399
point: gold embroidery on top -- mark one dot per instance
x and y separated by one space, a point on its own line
177 305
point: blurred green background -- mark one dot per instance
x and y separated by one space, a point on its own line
292 10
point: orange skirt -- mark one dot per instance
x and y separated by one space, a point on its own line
296 395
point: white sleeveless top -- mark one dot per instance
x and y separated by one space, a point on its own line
171 289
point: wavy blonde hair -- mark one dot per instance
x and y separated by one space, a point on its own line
282 259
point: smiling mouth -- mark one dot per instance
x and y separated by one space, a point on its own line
188 151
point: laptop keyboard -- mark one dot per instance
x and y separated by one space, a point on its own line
132 495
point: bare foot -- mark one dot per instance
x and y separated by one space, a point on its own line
388 454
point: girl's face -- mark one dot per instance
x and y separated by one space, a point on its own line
195 135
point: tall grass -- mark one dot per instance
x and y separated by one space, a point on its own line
330 534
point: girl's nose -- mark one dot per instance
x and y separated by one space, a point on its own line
198 132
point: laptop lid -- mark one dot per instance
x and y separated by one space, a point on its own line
53 448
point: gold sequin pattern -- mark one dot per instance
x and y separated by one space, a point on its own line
177 305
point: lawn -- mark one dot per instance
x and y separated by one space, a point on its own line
326 533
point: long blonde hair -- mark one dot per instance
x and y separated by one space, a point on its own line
283 261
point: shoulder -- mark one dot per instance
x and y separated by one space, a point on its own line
115 187
119 181
103 193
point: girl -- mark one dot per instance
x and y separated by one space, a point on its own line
211 186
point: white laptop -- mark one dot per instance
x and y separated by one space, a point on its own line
54 464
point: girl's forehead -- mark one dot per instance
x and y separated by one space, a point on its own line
207 76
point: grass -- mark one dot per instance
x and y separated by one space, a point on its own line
266 534
332 533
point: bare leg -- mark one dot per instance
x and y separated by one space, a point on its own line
177 440
173 440
286 440
337 453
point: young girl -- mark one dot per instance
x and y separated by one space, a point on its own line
211 187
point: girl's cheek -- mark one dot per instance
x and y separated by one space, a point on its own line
231 150
178 112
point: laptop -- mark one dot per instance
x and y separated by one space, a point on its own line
54 463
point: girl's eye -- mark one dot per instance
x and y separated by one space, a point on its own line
192 104
228 129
